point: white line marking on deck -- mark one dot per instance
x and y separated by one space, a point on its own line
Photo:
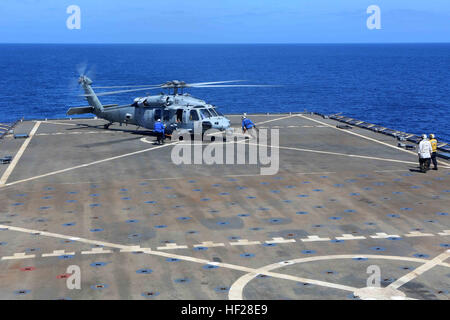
263 122
258 123
18 155
365 137
240 242
356 134
193 259
60 123
382 235
96 251
335 153
244 242
57 253
236 290
89 164
238 286
418 234
74 133
134 249
172 246
420 270
280 240
21 255
347 236
444 233
315 238
209 244
183 178
258 115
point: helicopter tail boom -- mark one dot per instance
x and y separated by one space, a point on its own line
91 97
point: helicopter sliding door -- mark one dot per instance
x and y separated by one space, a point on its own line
157 114
180 116
194 119
167 116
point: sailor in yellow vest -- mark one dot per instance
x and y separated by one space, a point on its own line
433 142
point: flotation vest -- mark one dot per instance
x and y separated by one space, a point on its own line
433 144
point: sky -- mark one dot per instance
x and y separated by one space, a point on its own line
224 21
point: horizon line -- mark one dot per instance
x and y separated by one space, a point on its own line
221 43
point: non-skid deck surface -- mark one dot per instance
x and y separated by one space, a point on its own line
140 227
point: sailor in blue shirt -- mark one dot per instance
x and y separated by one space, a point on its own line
159 130
248 125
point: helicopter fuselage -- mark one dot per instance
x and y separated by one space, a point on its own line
177 111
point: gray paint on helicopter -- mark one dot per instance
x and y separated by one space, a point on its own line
178 111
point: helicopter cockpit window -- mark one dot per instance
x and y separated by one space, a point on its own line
205 113
193 115
218 112
157 114
213 112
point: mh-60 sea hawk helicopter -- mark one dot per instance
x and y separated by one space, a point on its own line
177 110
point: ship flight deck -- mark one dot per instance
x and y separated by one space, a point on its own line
139 226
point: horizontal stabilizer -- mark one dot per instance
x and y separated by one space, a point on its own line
80 110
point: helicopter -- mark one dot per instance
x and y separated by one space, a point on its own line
178 111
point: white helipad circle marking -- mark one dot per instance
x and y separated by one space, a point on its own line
146 141
237 288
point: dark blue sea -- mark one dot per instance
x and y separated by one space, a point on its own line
401 86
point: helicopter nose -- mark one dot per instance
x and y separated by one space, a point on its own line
221 123
224 124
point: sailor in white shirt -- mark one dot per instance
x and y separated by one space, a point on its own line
424 150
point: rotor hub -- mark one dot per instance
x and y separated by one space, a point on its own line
175 84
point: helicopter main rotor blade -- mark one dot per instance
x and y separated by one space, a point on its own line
117 87
237 86
117 92
197 85
208 83
162 85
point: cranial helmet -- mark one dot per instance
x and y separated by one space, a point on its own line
424 136
431 135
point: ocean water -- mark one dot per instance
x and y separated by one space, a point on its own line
401 86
